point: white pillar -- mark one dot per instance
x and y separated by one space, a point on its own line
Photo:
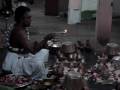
74 11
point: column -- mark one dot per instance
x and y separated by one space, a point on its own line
103 21
74 11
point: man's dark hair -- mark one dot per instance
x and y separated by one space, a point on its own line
20 12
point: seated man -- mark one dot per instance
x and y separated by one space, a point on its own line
23 57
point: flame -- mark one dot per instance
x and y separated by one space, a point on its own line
65 31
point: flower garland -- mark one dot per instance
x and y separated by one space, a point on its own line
27 33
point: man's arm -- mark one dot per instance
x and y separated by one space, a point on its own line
33 47
24 42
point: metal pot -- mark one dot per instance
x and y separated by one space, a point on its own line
116 62
68 47
54 46
112 48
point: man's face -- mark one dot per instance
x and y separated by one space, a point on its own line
27 19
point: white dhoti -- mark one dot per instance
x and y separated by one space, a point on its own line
31 65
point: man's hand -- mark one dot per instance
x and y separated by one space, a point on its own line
49 36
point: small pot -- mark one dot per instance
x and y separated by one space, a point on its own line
112 48
68 47
54 46
116 62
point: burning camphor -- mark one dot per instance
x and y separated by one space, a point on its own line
65 31
62 32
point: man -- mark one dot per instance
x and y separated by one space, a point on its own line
23 57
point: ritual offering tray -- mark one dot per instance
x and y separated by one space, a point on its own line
54 43
15 81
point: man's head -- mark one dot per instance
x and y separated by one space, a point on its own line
22 15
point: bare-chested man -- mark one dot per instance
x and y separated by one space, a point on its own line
24 57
